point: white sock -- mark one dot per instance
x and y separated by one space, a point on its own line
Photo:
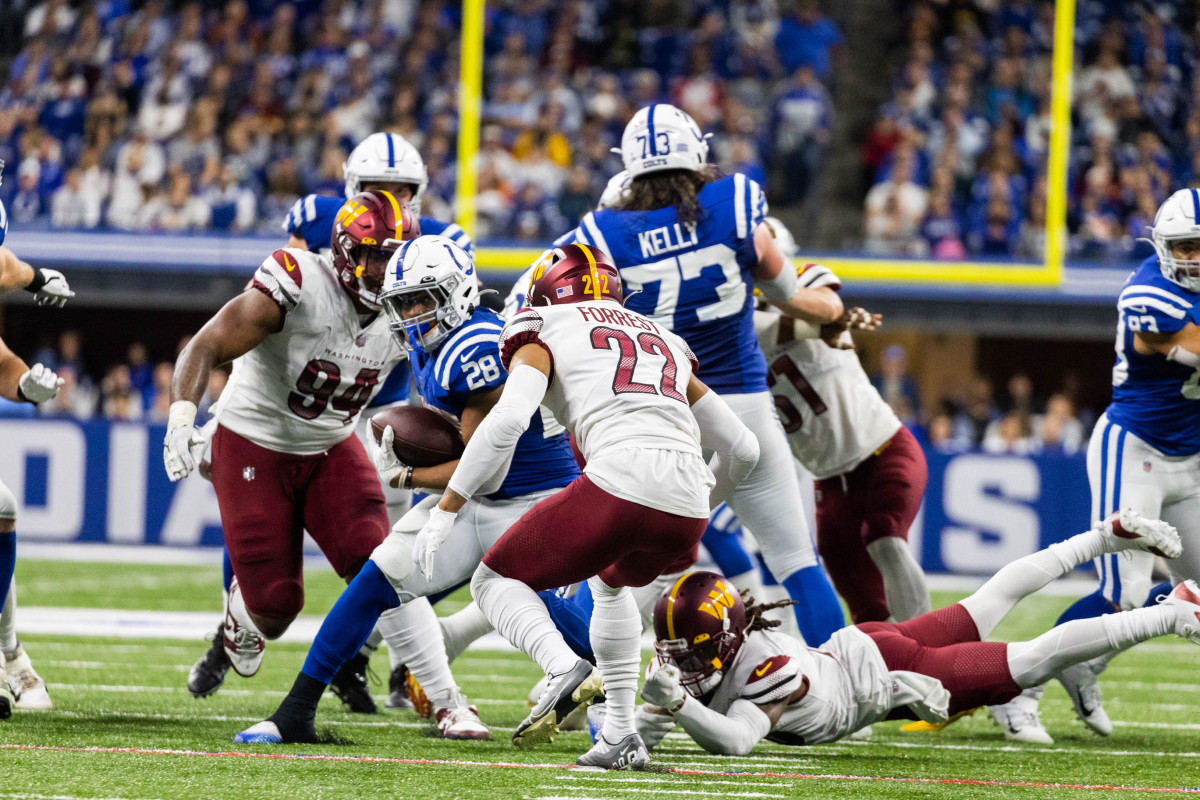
992 602
8 622
521 617
616 640
903 579
237 607
414 637
1035 662
463 627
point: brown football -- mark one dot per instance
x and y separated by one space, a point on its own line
422 436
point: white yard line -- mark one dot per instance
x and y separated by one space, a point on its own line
29 796
656 791
609 778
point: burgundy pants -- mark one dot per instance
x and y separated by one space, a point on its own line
584 531
879 498
268 499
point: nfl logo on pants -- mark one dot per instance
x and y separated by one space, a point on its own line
248 473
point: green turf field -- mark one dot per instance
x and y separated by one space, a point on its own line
115 696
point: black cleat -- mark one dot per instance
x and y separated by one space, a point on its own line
207 674
397 693
350 686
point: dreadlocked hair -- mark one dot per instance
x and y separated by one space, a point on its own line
754 613
670 187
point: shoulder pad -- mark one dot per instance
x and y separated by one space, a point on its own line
281 278
772 679
813 276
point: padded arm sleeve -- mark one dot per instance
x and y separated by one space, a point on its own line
733 733
734 445
494 440
780 288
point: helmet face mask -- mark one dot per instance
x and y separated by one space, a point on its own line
699 626
1177 223
369 228
430 291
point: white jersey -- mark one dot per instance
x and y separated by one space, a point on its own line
618 383
834 418
303 388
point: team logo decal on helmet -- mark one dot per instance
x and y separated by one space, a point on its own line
574 273
699 625
430 291
661 137
386 158
1178 219
367 230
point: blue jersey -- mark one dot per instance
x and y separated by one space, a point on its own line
1157 399
311 218
696 282
468 363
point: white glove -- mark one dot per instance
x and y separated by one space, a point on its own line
662 689
383 456
653 723
434 532
181 435
39 384
52 288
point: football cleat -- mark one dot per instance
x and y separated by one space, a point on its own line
577 720
397 694
350 686
417 697
243 645
860 735
1185 599
461 722
921 726
1080 681
596 713
563 695
208 673
629 753
279 730
1020 719
6 695
1129 530
265 732
28 688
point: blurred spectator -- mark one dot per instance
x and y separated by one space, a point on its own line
895 208
534 216
1058 430
942 437
179 209
119 401
158 401
942 230
802 122
234 206
141 371
898 388
1009 436
72 206
578 196
973 422
807 38
75 398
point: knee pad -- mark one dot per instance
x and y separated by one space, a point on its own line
417 516
8 503
394 555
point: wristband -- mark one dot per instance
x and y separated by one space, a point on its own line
406 478
39 280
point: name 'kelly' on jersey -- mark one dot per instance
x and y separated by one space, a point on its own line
1155 398
694 281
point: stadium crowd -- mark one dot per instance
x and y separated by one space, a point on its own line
219 117
955 162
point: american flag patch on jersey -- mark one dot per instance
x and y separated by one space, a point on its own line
565 291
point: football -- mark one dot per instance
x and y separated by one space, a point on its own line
422 436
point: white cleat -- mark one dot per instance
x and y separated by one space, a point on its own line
461 722
243 644
1129 530
860 735
27 686
1185 599
265 732
577 720
1020 720
1082 685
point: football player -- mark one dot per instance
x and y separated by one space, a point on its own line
1145 449
21 383
625 387
730 683
432 299
870 471
314 344
691 247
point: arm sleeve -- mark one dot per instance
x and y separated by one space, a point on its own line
734 445
492 445
733 733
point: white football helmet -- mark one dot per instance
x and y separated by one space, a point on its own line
783 237
386 158
662 137
611 196
434 274
1177 219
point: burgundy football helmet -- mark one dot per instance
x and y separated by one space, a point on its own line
368 229
698 626
574 273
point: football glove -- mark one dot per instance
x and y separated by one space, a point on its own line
181 436
49 287
386 462
39 384
433 533
662 689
